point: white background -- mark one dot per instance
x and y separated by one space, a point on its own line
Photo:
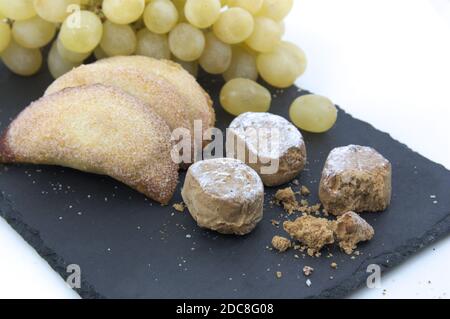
386 62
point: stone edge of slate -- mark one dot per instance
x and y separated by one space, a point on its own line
33 238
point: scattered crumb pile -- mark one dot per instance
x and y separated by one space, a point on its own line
281 243
313 232
286 198
352 229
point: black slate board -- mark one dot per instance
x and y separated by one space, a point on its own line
128 246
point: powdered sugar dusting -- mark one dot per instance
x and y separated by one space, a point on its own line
265 134
353 157
228 178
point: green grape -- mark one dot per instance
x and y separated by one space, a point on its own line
57 65
276 9
99 53
313 113
234 25
5 34
118 39
216 57
252 6
70 56
243 95
17 9
191 67
282 66
266 35
152 45
202 13
22 61
186 42
179 4
123 11
33 33
160 16
243 65
54 10
81 31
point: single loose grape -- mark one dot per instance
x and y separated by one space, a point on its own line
33 33
20 60
243 65
123 11
118 39
152 45
276 9
57 65
186 42
282 66
55 10
191 67
160 16
243 95
313 113
252 6
68 55
266 35
216 57
17 9
81 31
202 13
5 34
234 25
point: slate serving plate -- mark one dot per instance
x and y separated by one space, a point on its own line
130 247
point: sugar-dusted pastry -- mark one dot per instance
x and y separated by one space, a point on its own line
273 146
96 129
159 94
355 178
352 229
197 100
313 232
224 195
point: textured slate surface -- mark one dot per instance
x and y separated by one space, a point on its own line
128 246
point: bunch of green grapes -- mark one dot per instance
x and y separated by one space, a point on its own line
236 38
240 39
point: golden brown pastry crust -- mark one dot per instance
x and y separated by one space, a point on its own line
159 94
196 98
96 129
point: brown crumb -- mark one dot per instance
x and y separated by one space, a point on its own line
179 207
334 265
279 274
286 197
307 271
352 229
275 222
280 243
312 231
305 191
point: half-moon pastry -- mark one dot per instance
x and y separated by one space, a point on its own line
158 93
97 129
